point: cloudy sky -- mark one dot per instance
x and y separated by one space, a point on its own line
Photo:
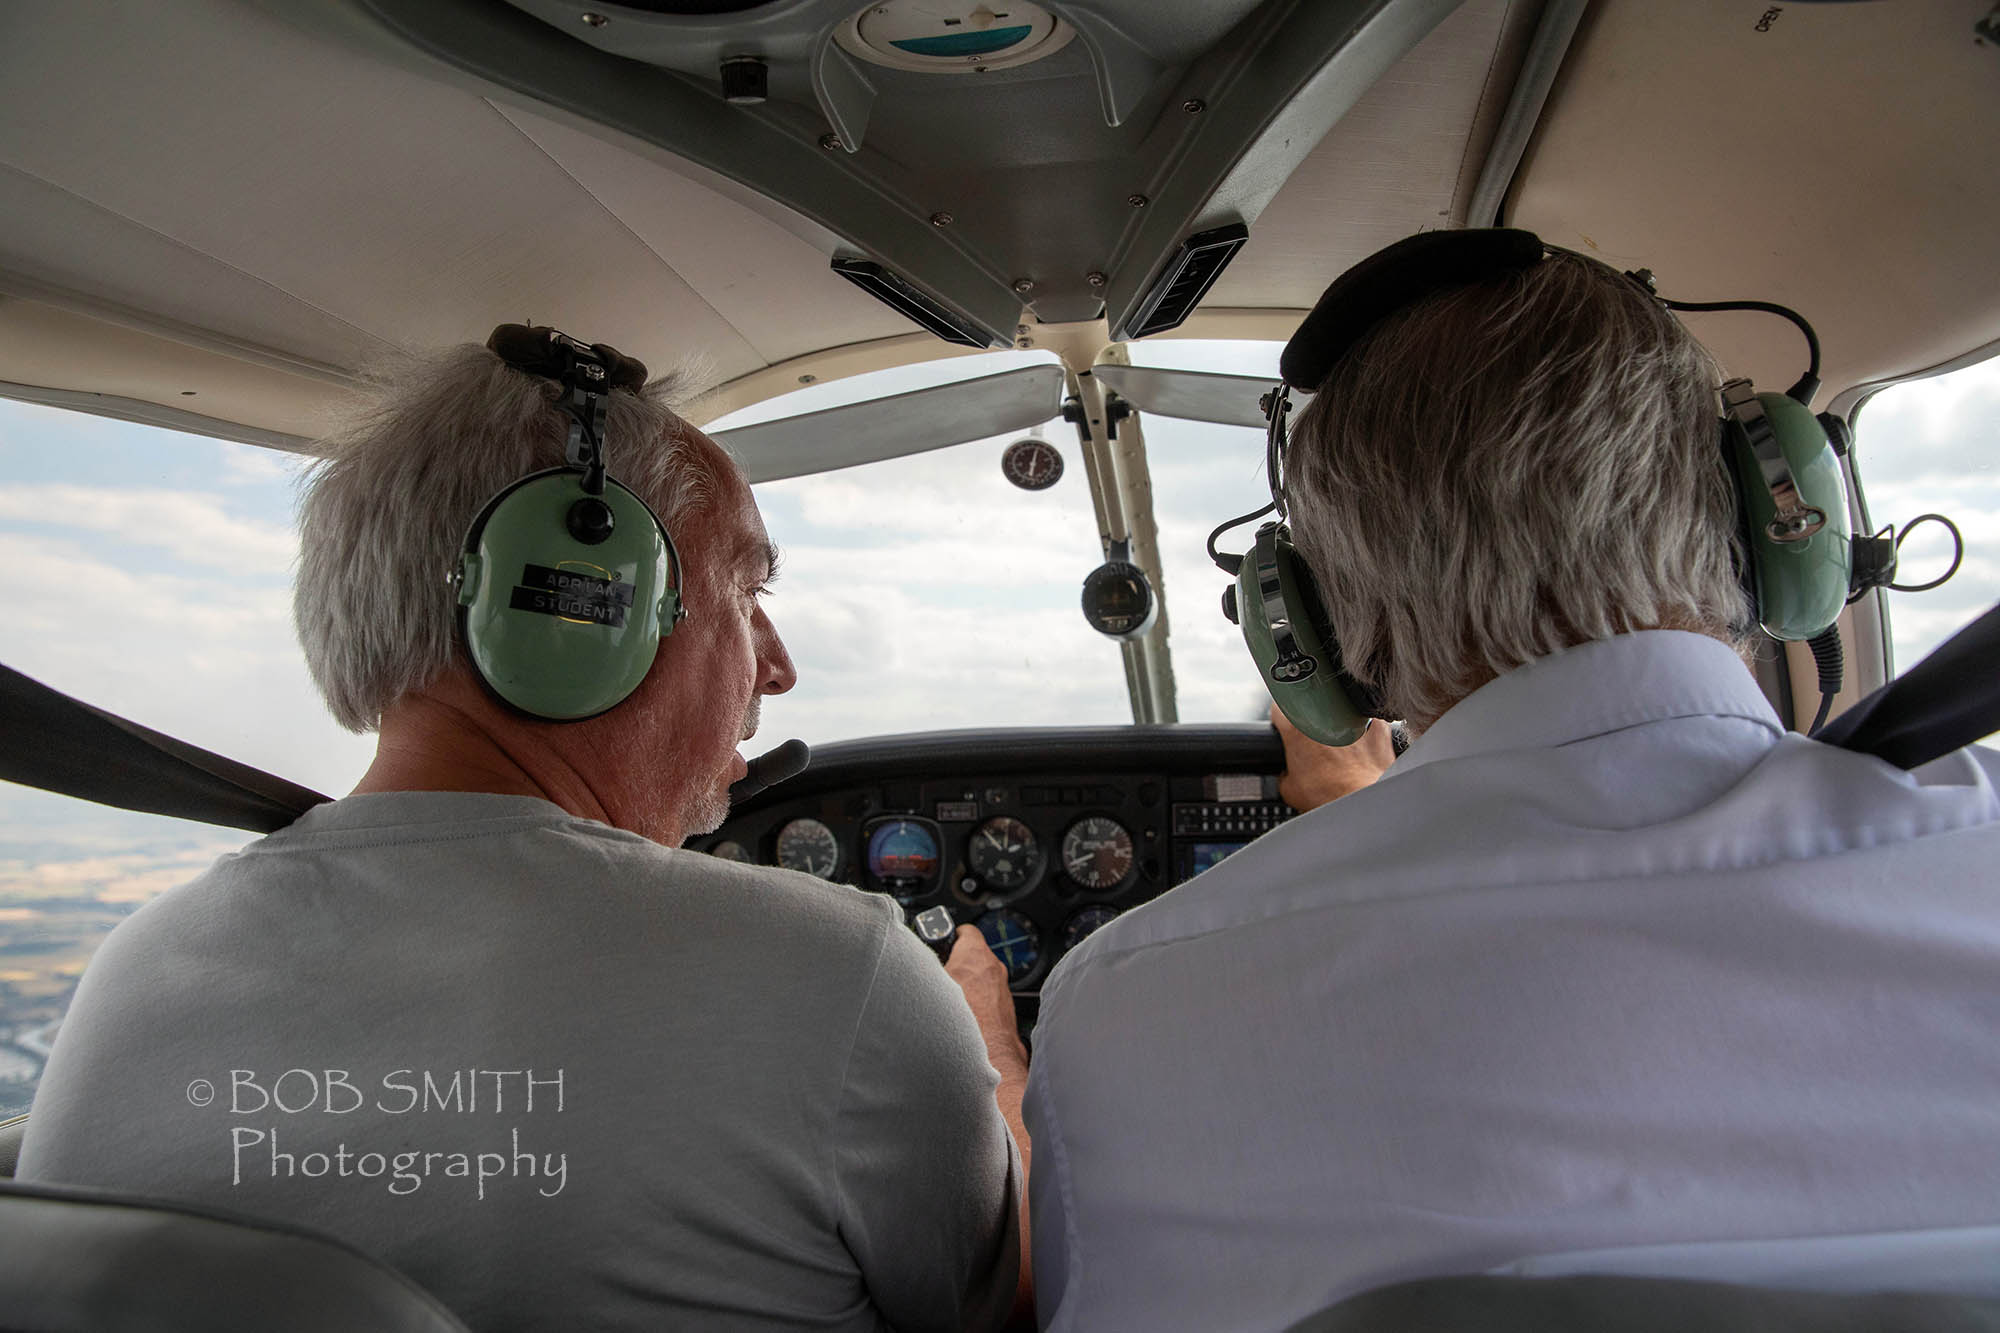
151 575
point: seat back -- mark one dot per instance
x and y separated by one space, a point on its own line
1484 1304
72 1258
11 1134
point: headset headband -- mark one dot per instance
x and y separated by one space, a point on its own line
1395 279
557 356
587 372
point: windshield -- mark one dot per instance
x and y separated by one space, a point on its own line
927 592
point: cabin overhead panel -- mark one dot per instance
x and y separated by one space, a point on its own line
244 205
1056 157
1837 158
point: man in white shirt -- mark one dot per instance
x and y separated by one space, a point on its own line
1609 972
482 1017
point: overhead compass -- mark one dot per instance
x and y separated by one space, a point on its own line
1118 598
1032 464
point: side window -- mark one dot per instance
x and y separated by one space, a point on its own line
1933 446
150 576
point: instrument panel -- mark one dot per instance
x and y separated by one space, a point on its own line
1037 836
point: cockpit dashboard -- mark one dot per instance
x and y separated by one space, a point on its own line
1037 836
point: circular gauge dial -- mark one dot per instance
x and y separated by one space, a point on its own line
1015 941
903 856
1004 853
1118 600
808 845
1033 465
1097 853
730 850
1078 928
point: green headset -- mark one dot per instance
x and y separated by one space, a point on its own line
1791 494
567 580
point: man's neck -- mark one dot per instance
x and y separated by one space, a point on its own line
433 743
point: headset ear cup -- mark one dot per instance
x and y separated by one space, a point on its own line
559 628
1293 646
1797 588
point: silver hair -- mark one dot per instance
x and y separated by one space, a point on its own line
386 510
1508 469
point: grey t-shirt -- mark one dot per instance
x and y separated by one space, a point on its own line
560 1075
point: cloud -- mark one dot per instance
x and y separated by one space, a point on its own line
248 464
127 877
1943 429
190 526
199 657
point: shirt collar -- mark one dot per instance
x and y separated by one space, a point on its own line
1594 688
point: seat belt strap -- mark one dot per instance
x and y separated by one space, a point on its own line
63 745
1943 703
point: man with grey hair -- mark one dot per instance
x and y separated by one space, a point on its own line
1609 972
480 1019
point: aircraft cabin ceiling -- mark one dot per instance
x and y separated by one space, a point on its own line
220 213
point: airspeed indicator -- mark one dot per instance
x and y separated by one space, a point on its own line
808 845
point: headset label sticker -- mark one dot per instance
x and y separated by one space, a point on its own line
570 594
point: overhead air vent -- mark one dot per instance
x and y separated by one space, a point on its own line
907 301
1183 281
953 36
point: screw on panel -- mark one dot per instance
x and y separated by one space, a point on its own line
807 379
941 219
1194 106
594 20
1095 278
1024 285
830 142
1137 200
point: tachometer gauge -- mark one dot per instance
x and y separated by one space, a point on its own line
1097 853
731 850
1015 941
1004 853
1078 928
1031 464
808 845
903 856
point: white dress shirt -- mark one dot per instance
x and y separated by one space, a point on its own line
1608 973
